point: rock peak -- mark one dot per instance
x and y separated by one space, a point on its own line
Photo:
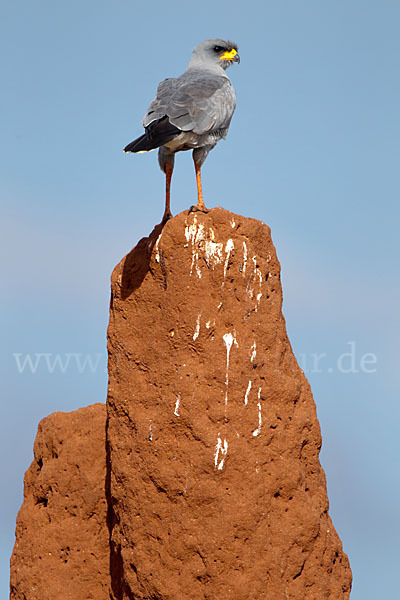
210 473
219 439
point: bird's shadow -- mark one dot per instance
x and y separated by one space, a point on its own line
137 261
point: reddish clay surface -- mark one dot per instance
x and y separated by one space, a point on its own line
216 486
62 541
208 486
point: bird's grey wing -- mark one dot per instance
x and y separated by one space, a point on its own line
194 102
157 109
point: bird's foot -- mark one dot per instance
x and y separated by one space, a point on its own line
167 215
198 208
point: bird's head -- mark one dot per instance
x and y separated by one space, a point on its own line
216 52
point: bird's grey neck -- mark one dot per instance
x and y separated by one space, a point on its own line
197 63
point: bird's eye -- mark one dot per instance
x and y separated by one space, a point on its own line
218 49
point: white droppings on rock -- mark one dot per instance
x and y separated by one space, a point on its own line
213 252
246 396
229 339
253 351
150 432
255 280
257 272
195 258
228 249
194 232
157 254
244 259
203 244
197 330
257 431
221 448
177 403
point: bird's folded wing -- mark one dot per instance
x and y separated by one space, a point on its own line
198 103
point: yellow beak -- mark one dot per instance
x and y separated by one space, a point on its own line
229 55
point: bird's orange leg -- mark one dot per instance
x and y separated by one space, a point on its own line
200 202
168 175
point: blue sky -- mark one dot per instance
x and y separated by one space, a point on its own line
313 151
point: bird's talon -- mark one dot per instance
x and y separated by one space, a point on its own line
166 217
197 208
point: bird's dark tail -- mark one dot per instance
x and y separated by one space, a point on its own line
141 144
157 134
